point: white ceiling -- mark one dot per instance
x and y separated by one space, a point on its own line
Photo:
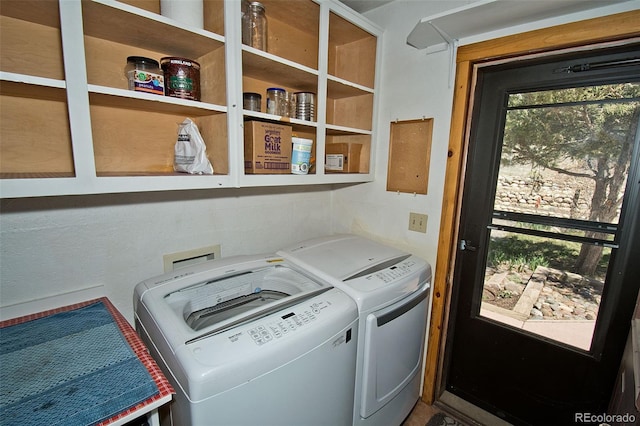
364 5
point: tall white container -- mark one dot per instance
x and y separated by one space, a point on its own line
188 12
301 156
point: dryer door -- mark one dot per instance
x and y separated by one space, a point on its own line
393 346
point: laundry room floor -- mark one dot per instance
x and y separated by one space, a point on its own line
429 415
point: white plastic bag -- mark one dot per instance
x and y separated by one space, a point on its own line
190 150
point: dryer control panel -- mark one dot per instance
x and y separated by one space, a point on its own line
396 271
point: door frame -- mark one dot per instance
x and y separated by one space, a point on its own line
573 35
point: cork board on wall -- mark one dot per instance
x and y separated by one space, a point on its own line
409 155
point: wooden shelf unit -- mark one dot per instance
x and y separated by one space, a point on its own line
350 88
101 137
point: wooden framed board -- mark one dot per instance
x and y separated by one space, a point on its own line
409 156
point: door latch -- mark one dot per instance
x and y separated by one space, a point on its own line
466 245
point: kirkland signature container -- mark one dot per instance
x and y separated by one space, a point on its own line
181 78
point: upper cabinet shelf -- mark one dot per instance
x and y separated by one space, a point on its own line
265 66
436 32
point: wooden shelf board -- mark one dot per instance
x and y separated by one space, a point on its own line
37 11
136 174
296 124
33 88
36 175
119 98
339 88
342 31
333 130
263 66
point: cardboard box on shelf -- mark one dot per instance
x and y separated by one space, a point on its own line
342 157
267 148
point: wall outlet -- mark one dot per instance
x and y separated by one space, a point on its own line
418 222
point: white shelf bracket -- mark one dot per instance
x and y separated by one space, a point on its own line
452 46
446 37
453 52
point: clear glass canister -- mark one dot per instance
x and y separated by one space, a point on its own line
254 25
277 102
251 101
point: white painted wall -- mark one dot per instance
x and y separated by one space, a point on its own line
416 85
60 245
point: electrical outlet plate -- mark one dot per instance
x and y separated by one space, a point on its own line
418 222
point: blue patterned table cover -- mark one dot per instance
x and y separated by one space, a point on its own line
69 368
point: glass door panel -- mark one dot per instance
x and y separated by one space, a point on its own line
562 175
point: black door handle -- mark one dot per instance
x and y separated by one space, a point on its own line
466 245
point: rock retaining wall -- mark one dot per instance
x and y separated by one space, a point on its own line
527 195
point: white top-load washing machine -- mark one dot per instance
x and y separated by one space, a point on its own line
251 340
391 289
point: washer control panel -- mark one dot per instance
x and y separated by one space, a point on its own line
270 329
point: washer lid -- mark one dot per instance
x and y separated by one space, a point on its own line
193 303
246 294
221 300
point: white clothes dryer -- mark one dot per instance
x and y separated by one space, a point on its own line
391 289
251 340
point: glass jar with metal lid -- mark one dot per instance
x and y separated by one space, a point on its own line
277 102
254 25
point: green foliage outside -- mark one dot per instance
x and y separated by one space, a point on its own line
520 253
584 132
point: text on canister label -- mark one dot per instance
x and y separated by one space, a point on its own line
144 81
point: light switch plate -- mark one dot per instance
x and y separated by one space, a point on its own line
418 222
